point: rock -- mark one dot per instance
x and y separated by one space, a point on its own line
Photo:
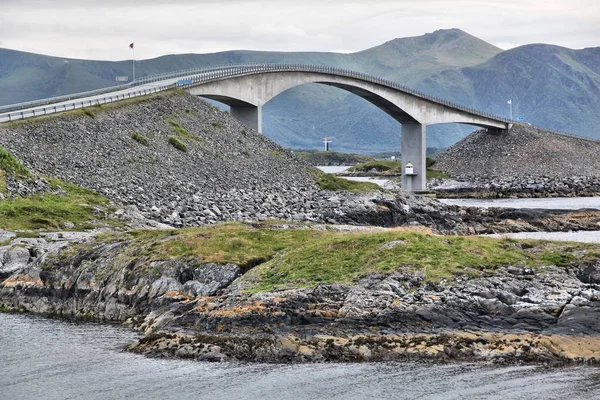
12 259
391 245
590 274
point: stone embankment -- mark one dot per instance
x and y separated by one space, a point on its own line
225 171
491 187
526 162
201 310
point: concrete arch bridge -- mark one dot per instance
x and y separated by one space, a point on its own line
247 88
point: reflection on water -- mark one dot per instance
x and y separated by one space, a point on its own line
333 169
49 359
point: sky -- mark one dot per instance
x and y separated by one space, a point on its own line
103 29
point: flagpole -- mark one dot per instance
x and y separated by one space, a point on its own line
133 52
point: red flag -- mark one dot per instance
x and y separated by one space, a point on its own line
131 45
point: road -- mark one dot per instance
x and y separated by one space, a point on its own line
94 99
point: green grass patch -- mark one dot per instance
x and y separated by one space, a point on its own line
305 257
433 174
180 130
138 137
177 143
10 165
51 211
331 182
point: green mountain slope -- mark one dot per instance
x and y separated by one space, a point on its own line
552 87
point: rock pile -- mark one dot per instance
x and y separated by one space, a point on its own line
525 153
125 152
542 186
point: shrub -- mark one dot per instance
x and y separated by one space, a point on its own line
177 143
138 137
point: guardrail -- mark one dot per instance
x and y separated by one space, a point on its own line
137 82
208 74
36 112
242 70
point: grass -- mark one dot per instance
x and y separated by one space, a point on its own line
177 143
138 137
11 166
389 167
181 131
382 166
306 257
51 211
331 182
96 109
433 174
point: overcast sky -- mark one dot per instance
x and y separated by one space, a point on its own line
102 29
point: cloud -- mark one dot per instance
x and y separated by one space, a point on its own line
102 30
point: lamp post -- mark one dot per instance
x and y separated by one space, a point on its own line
510 107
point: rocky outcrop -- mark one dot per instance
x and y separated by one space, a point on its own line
204 311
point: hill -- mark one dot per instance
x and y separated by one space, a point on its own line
550 86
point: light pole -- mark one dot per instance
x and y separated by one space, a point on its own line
510 107
326 141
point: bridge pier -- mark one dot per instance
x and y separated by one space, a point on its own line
248 115
413 150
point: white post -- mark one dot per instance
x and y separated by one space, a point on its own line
133 57
510 106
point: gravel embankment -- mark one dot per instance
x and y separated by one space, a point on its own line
525 152
228 173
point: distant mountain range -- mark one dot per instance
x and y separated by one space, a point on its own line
550 86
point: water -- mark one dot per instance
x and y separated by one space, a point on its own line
334 169
553 203
550 203
50 359
577 236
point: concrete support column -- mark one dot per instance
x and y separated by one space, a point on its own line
248 115
413 150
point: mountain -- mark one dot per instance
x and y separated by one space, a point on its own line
550 86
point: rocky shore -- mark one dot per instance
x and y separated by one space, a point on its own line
206 310
521 187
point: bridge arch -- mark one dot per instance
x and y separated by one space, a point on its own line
246 93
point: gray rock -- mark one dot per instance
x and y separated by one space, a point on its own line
13 259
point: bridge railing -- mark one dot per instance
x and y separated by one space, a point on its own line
206 74
52 109
248 69
137 82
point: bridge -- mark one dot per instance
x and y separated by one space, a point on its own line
246 88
